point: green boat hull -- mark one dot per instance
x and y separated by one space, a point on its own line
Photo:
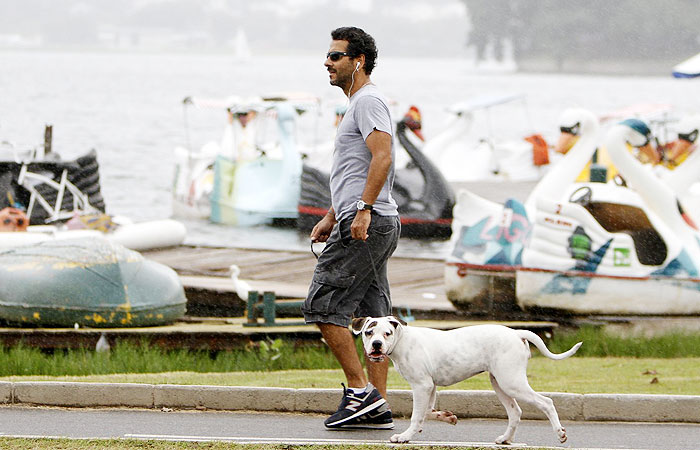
91 282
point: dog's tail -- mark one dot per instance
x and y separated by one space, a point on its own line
539 343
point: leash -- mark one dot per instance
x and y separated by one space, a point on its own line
369 252
312 249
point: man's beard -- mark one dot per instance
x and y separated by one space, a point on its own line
341 81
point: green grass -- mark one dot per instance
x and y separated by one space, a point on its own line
285 355
140 358
574 375
598 342
606 363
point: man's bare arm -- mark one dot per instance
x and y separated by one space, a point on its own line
379 144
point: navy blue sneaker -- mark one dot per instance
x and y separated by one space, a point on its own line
379 419
361 411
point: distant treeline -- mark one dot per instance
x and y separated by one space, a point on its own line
592 29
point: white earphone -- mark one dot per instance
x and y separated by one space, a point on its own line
357 66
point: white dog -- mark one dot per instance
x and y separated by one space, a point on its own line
428 358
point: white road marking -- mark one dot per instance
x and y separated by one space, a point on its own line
297 441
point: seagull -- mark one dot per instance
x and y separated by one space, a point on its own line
102 344
241 287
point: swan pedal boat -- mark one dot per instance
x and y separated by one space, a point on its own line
242 180
485 141
580 248
88 281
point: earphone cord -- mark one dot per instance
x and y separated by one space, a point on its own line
352 83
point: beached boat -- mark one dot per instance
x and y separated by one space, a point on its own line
252 177
88 281
580 247
476 147
424 198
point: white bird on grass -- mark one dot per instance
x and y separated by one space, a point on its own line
102 344
241 287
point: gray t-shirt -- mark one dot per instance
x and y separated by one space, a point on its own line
368 111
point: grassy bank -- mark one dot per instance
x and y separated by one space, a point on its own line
667 376
284 355
599 343
668 364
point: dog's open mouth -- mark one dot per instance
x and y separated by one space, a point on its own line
376 356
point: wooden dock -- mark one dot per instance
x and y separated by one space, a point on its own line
416 284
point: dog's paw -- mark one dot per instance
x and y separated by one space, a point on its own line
562 435
447 416
400 438
502 440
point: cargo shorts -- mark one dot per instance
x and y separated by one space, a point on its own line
350 278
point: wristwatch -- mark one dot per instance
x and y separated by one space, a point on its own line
362 206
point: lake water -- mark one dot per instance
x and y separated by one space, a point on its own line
129 108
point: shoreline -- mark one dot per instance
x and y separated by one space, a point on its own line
533 65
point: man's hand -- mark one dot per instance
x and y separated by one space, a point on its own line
360 224
322 230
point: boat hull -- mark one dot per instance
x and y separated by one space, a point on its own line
90 282
480 289
689 68
253 193
491 289
586 293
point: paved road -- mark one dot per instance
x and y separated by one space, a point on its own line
306 428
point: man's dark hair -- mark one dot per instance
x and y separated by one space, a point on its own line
359 43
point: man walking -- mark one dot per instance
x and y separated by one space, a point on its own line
361 230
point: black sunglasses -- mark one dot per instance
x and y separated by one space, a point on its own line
335 56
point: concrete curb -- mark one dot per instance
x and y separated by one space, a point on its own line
468 404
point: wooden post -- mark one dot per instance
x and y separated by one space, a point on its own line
48 138
252 300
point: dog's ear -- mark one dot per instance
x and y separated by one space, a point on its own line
396 321
357 324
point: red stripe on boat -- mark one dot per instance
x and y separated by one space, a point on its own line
509 270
